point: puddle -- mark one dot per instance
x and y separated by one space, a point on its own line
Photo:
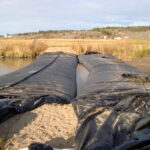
81 75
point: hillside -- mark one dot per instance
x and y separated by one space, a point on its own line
130 32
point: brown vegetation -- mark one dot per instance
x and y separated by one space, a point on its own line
21 48
123 49
130 32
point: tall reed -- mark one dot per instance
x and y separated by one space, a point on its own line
123 49
21 48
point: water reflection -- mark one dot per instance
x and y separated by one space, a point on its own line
9 65
82 75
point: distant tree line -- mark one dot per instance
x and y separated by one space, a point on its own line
45 32
128 28
105 30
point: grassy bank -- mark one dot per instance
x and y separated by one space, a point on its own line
123 49
21 48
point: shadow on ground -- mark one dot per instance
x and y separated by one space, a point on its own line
61 142
15 124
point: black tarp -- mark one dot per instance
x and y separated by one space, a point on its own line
51 78
113 107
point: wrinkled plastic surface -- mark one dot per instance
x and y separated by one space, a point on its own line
50 79
18 76
113 107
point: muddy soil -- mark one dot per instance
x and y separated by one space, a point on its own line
143 64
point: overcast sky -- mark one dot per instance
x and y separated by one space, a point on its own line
18 16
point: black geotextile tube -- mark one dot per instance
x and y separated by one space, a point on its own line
113 107
50 79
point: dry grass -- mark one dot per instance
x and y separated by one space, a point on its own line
21 48
123 49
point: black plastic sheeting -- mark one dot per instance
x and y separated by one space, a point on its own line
39 146
113 107
50 79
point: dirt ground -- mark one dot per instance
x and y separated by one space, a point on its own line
53 124
143 64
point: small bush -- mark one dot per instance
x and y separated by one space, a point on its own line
142 53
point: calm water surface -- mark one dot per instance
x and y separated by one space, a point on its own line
81 77
10 65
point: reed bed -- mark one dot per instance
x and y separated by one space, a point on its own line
21 48
123 49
